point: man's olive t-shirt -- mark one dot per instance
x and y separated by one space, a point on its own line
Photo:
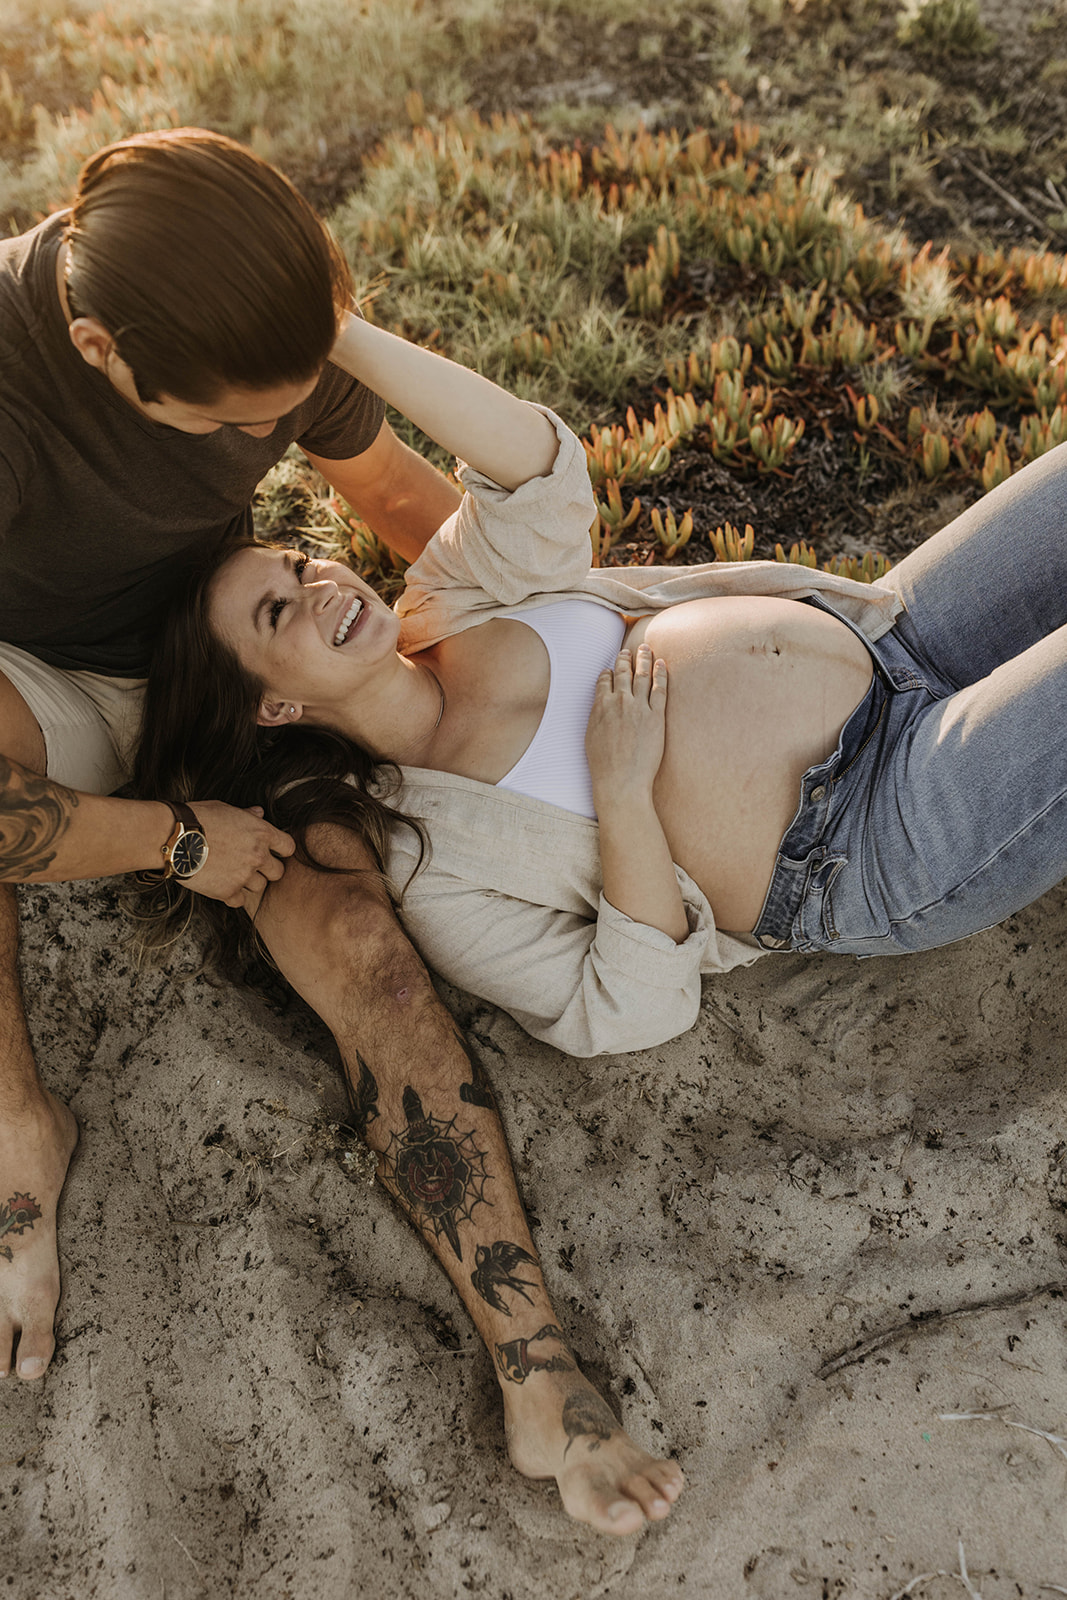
101 510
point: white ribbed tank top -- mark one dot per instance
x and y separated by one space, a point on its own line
582 638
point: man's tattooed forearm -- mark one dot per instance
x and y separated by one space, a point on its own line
585 1415
16 1215
436 1172
479 1091
34 815
362 1096
495 1269
517 1359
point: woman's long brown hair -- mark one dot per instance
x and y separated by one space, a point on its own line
200 740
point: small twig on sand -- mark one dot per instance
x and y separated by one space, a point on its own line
1006 195
962 1576
181 1547
925 1320
1056 1440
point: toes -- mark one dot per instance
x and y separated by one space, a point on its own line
36 1344
625 1505
7 1342
32 1366
602 1501
668 1478
623 1516
648 1495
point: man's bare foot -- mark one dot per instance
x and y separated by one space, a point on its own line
557 1426
35 1152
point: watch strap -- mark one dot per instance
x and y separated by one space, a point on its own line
185 815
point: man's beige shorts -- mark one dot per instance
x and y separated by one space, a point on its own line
90 723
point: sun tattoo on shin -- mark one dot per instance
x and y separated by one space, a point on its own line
436 1172
16 1215
36 814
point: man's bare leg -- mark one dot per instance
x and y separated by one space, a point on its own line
37 1133
423 1102
37 1140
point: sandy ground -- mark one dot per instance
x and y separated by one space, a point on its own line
265 1388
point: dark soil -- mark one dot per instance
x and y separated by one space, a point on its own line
1019 86
968 189
823 500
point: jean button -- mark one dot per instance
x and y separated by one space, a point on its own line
818 793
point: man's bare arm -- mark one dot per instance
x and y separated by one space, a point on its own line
396 491
52 834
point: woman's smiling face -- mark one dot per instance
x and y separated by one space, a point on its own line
308 629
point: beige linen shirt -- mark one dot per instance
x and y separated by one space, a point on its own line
509 905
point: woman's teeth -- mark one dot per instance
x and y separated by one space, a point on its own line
347 620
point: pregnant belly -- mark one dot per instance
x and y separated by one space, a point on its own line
759 690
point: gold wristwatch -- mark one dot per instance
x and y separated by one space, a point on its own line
186 850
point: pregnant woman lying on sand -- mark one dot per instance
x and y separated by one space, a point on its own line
628 778
606 770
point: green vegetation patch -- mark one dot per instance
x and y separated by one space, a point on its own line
694 303
755 364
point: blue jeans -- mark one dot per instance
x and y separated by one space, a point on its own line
944 807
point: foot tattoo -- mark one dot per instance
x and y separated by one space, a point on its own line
586 1416
16 1215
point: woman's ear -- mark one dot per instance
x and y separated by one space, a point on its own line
277 713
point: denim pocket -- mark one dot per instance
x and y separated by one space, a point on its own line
813 927
845 926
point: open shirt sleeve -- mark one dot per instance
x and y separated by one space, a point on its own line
502 545
587 987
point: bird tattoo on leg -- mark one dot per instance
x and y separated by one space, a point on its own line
495 1269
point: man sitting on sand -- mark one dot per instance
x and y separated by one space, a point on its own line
161 346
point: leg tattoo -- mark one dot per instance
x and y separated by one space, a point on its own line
362 1097
16 1215
437 1173
494 1270
516 1360
479 1092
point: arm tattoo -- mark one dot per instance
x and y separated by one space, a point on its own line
362 1096
495 1269
16 1215
479 1092
34 815
586 1414
516 1360
437 1173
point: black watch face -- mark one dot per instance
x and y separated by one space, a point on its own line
189 854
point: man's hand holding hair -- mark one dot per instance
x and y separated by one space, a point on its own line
245 853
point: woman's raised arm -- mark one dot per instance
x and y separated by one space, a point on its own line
497 434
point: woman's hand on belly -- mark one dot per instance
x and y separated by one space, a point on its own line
627 727
624 744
